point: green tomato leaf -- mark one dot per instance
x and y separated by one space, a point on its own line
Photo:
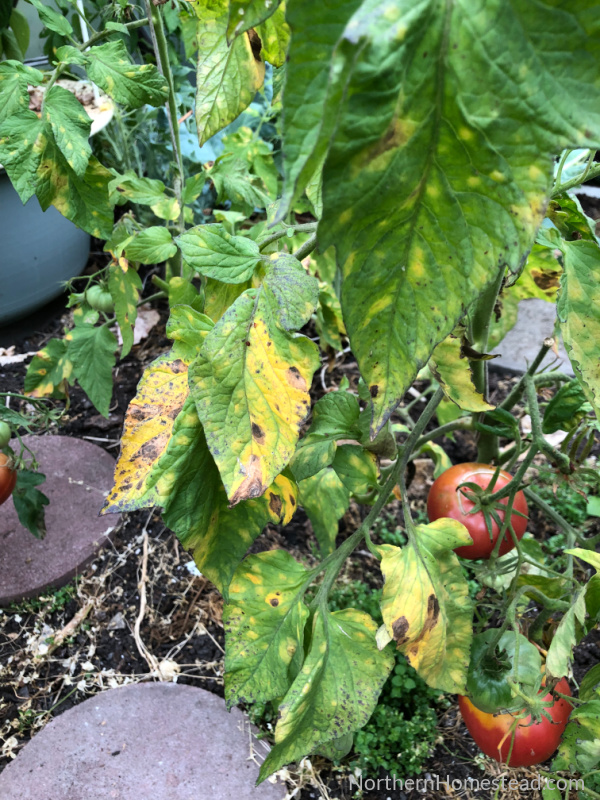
186 482
560 652
246 14
52 19
145 191
434 197
30 502
578 310
336 690
561 411
124 285
325 500
579 750
291 290
213 252
133 85
20 29
151 246
274 35
425 603
92 351
228 76
250 383
264 623
70 126
20 135
356 468
67 54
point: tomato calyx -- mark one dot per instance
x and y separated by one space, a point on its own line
483 502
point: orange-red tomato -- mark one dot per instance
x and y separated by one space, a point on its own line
8 478
445 500
533 743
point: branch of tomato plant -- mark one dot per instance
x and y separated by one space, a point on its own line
306 248
463 424
333 563
481 318
590 172
97 37
516 392
309 227
161 52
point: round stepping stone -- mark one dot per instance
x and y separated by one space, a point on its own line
164 741
79 475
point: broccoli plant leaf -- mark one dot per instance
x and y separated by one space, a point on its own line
124 285
325 500
161 394
453 371
425 603
336 690
435 196
250 383
133 85
213 252
264 627
228 75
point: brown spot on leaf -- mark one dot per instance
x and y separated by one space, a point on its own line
545 280
295 379
374 390
258 434
252 485
400 629
274 602
275 503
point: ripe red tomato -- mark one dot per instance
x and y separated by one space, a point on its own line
533 743
445 500
8 478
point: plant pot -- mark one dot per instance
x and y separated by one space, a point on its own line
40 250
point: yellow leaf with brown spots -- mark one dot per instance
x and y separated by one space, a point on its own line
49 371
453 371
425 603
337 689
160 396
264 627
250 384
186 483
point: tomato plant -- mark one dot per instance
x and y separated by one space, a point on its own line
5 434
456 494
366 199
8 478
519 742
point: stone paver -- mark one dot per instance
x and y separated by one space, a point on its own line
78 476
521 344
159 741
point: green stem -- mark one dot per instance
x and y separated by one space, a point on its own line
306 248
333 563
464 424
560 459
161 52
487 446
587 175
309 227
551 513
517 391
97 37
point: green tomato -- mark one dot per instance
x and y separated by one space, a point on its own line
489 673
5 434
99 299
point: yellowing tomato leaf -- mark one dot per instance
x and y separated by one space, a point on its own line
274 35
264 627
325 500
336 690
425 603
124 285
453 370
49 371
133 85
246 14
161 394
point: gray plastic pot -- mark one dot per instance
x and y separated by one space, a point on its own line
38 250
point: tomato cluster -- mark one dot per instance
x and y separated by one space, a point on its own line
447 499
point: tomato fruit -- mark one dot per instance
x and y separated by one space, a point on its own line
5 434
99 299
489 673
8 478
533 743
445 499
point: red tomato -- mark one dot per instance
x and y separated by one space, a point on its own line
533 743
445 500
8 478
